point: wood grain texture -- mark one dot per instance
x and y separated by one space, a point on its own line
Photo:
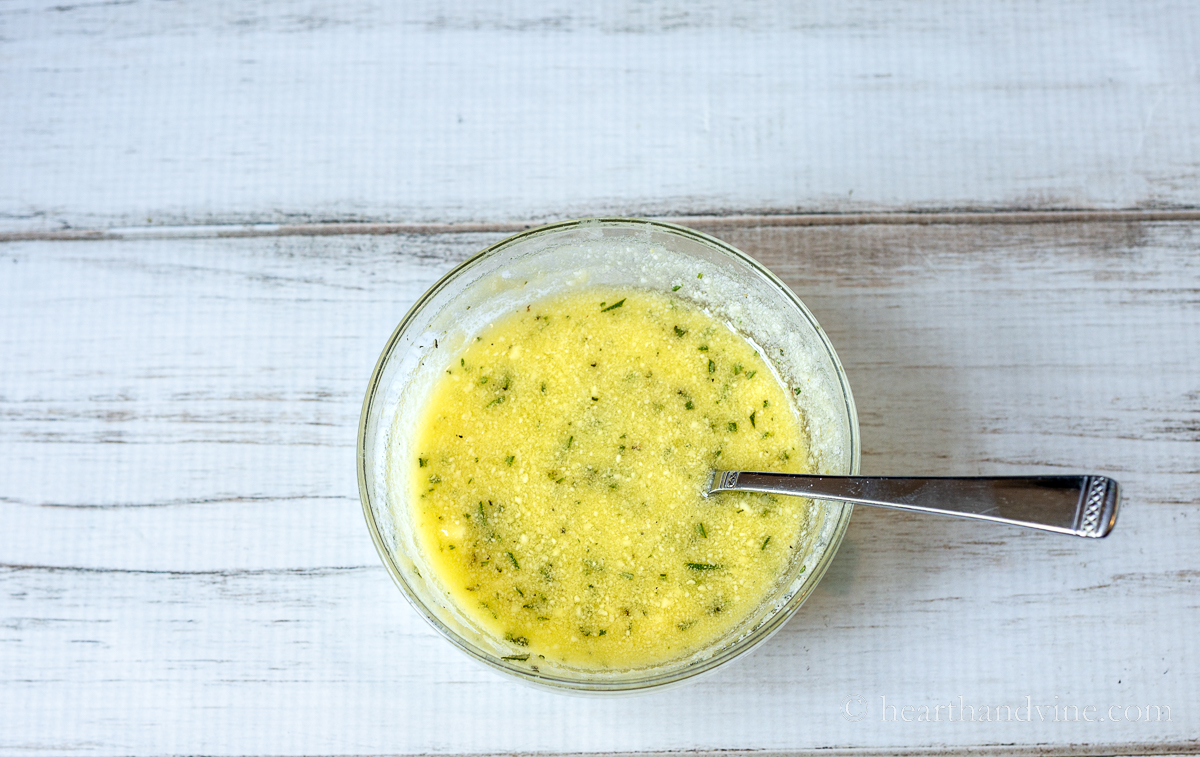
185 568
136 113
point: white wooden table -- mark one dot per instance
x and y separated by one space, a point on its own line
212 216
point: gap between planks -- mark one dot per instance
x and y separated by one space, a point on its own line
697 222
1175 749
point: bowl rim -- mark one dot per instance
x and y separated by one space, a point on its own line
755 636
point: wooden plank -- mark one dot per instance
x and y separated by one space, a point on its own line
187 571
701 223
131 114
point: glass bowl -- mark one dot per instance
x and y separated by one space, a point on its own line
551 259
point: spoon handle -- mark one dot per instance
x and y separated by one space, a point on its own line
1074 505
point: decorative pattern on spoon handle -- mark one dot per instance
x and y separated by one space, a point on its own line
1091 506
728 480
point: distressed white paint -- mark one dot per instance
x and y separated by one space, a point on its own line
184 567
142 112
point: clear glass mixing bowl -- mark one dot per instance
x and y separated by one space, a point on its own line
551 259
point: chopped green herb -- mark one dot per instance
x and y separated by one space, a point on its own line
543 387
516 564
680 331
703 566
422 462
483 380
499 400
510 460
766 541
435 479
766 403
627 576
613 306
689 405
520 641
737 369
700 530
703 348
516 657
676 288
802 567
569 440
750 374
732 426
796 391
711 366
700 275
752 423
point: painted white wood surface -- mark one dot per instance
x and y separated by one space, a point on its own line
184 567
134 113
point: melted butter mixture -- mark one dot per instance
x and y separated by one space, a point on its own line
559 469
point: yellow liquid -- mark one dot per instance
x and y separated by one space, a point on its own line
558 477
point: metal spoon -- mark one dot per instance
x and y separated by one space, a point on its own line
1074 505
